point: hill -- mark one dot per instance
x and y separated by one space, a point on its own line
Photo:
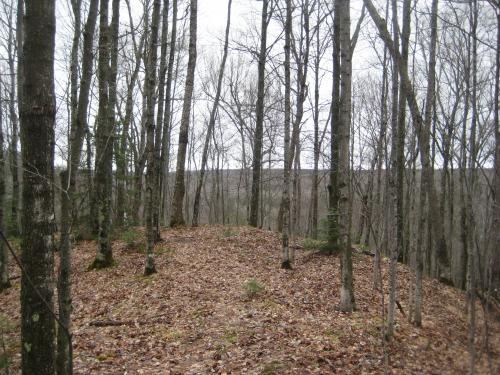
220 304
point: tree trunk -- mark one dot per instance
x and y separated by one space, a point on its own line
69 178
165 143
423 137
159 122
177 218
14 153
4 252
333 220
104 144
347 302
494 241
286 261
151 173
38 110
259 121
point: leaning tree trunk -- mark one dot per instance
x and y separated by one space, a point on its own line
211 122
423 137
177 218
151 173
38 110
259 121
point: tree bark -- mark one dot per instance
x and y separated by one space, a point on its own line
159 122
14 152
4 252
333 198
38 110
104 140
177 218
259 121
286 261
165 143
347 302
151 173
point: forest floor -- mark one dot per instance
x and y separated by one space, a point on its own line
203 313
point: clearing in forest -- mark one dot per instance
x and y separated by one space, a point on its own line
220 304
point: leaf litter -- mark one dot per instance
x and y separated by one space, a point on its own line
196 316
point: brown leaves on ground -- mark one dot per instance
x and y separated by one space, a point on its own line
203 313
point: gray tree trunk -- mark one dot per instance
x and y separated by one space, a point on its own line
286 261
4 252
78 126
104 143
38 110
347 302
165 143
423 137
13 115
151 173
177 218
159 121
259 121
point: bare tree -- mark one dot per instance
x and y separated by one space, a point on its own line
4 254
259 121
286 259
177 218
38 109
151 173
105 129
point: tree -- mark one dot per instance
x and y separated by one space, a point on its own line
347 302
160 113
105 129
78 125
286 259
4 254
165 142
177 218
494 242
151 173
14 42
38 109
259 121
